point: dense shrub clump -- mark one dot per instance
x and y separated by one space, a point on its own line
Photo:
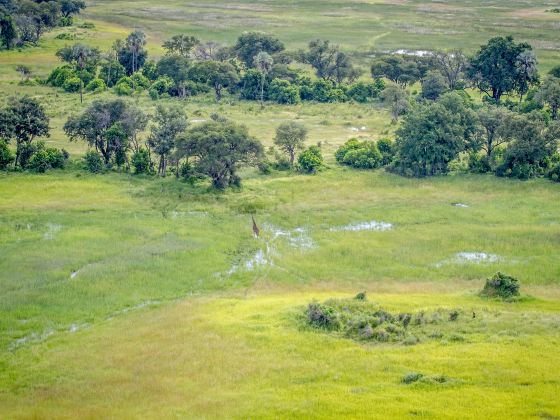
501 286
359 154
310 160
93 161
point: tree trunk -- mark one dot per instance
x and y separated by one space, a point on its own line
292 157
262 91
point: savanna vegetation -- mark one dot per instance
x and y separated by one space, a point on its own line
398 163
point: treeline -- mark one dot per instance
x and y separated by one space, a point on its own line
257 67
214 149
25 21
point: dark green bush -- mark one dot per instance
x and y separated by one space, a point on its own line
6 155
141 161
412 377
93 161
554 174
72 84
363 155
322 316
361 296
283 92
501 286
96 85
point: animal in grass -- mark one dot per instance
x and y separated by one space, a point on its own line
256 229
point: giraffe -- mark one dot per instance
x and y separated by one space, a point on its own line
256 229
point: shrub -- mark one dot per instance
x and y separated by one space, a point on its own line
141 161
96 85
310 160
361 296
501 286
140 81
322 316
412 377
411 340
283 92
39 162
160 86
387 149
554 174
72 84
358 154
365 91
59 75
6 155
93 161
123 89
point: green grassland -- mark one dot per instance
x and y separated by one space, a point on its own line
141 297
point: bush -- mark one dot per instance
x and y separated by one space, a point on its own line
364 155
160 86
310 160
387 149
73 84
554 174
141 161
96 86
501 286
59 75
361 296
283 92
365 91
6 155
140 81
123 89
479 164
322 316
93 161
39 162
410 378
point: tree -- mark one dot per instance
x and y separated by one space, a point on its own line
249 44
527 74
533 143
290 138
220 147
132 54
397 69
24 71
207 51
452 65
398 100
8 30
181 45
263 63
328 62
23 119
71 7
134 121
101 125
432 135
218 75
494 127
495 71
175 67
170 122
433 85
81 57
549 94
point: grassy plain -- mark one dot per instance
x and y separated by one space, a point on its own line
131 297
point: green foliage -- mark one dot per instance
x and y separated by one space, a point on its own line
310 160
141 161
402 70
111 72
387 149
60 74
290 138
124 87
219 148
365 91
501 286
163 85
410 378
6 155
249 44
553 174
72 84
433 85
96 86
322 316
93 161
363 155
283 92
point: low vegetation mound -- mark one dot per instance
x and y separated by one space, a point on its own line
501 286
362 320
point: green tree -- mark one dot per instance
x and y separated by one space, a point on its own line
249 44
176 67
290 137
432 135
6 155
71 7
549 94
495 70
181 45
81 57
329 62
219 148
452 65
217 74
433 85
23 119
397 69
493 127
8 30
170 121
99 125
398 100
132 54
